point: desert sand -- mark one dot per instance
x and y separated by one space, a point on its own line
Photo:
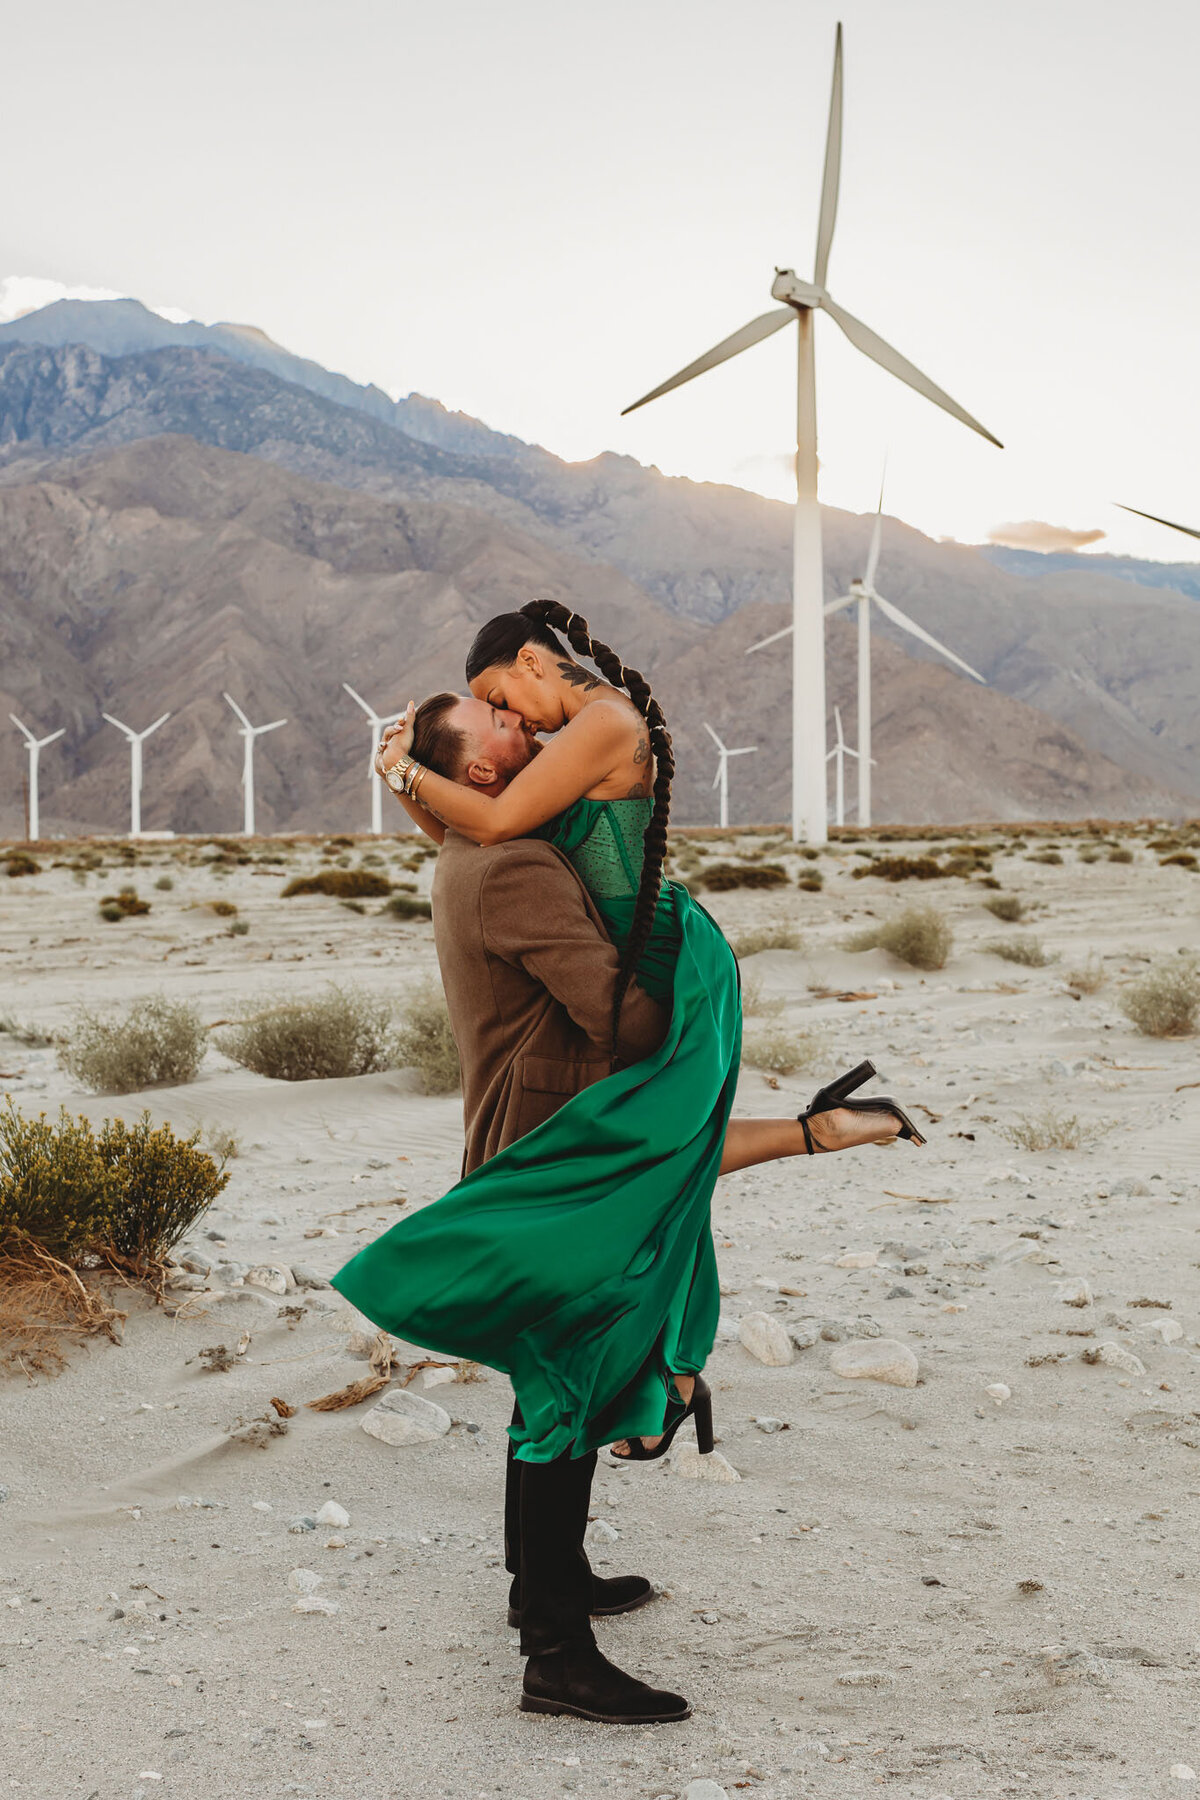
986 1584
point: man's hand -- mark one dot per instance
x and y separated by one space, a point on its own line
396 741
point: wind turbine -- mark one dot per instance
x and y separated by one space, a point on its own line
377 725
841 750
1188 530
721 778
803 300
34 745
136 740
862 592
249 733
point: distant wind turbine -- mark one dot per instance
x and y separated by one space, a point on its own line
841 750
862 592
34 746
721 778
1188 530
803 300
136 740
377 725
249 732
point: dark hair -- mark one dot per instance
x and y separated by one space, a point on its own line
497 644
437 743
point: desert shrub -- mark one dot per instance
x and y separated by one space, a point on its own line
1046 856
340 884
124 905
1160 845
1027 950
164 884
1120 855
767 937
54 1187
160 1185
224 909
1165 1002
406 906
220 1142
1089 855
755 1002
811 882
425 1042
342 1032
354 906
340 843
156 1043
920 936
1085 978
779 1051
1179 859
1050 1130
1009 907
29 1035
18 862
900 868
722 877
808 853
237 928
965 863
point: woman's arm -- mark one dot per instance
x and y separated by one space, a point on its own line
580 757
433 828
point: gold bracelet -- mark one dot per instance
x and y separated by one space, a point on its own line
417 779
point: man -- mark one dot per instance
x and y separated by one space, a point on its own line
529 976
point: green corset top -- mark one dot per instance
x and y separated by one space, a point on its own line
605 843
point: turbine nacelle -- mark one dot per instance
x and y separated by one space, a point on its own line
788 286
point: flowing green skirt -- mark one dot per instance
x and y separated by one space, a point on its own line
579 1261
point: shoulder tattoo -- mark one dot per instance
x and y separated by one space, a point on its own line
577 677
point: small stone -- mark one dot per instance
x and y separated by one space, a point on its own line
857 1259
438 1376
1181 1772
304 1581
230 1274
195 1262
876 1359
335 1543
261 1505
998 1391
1115 1356
302 1522
1169 1330
865 1678
704 1789
600 1532
767 1339
768 1424
727 1329
403 1418
899 1292
315 1603
687 1460
271 1277
1075 1291
306 1278
804 1336
333 1514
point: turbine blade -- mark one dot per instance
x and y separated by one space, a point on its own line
1188 530
54 734
273 726
872 345
918 631
753 333
716 740
746 750
237 709
832 606
833 167
773 639
156 724
717 777
120 727
23 729
873 552
368 710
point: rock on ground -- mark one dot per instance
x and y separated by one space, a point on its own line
767 1339
687 1460
403 1418
875 1359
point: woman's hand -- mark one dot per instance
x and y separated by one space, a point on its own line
396 741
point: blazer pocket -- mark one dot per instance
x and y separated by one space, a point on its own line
563 1076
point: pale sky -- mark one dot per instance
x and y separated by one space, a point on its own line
536 211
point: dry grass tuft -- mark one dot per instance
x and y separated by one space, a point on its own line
721 878
1166 1001
1029 951
342 1032
156 1043
920 936
757 1004
767 937
1009 907
340 884
900 868
425 1042
1120 855
406 906
781 1052
1050 1130
1085 978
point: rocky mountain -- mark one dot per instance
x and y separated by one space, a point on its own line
1094 668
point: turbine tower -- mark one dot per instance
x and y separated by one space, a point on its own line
377 725
721 778
841 750
249 733
804 299
1188 530
136 740
34 745
862 593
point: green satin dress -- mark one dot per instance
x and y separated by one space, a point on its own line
579 1261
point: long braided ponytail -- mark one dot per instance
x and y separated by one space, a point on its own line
498 643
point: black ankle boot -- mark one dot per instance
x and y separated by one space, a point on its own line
579 1680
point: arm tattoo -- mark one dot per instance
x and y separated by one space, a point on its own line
642 753
571 672
639 791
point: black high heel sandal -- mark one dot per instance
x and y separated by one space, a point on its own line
698 1407
837 1093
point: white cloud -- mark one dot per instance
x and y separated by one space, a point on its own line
20 294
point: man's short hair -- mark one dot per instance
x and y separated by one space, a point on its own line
437 743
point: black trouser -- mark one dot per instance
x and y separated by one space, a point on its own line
545 1517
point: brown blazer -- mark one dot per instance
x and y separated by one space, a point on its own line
528 972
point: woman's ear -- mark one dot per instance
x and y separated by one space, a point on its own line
531 662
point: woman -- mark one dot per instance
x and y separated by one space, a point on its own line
605 1325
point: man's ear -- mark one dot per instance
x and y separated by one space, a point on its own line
480 772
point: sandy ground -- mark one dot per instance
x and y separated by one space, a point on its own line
925 1590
